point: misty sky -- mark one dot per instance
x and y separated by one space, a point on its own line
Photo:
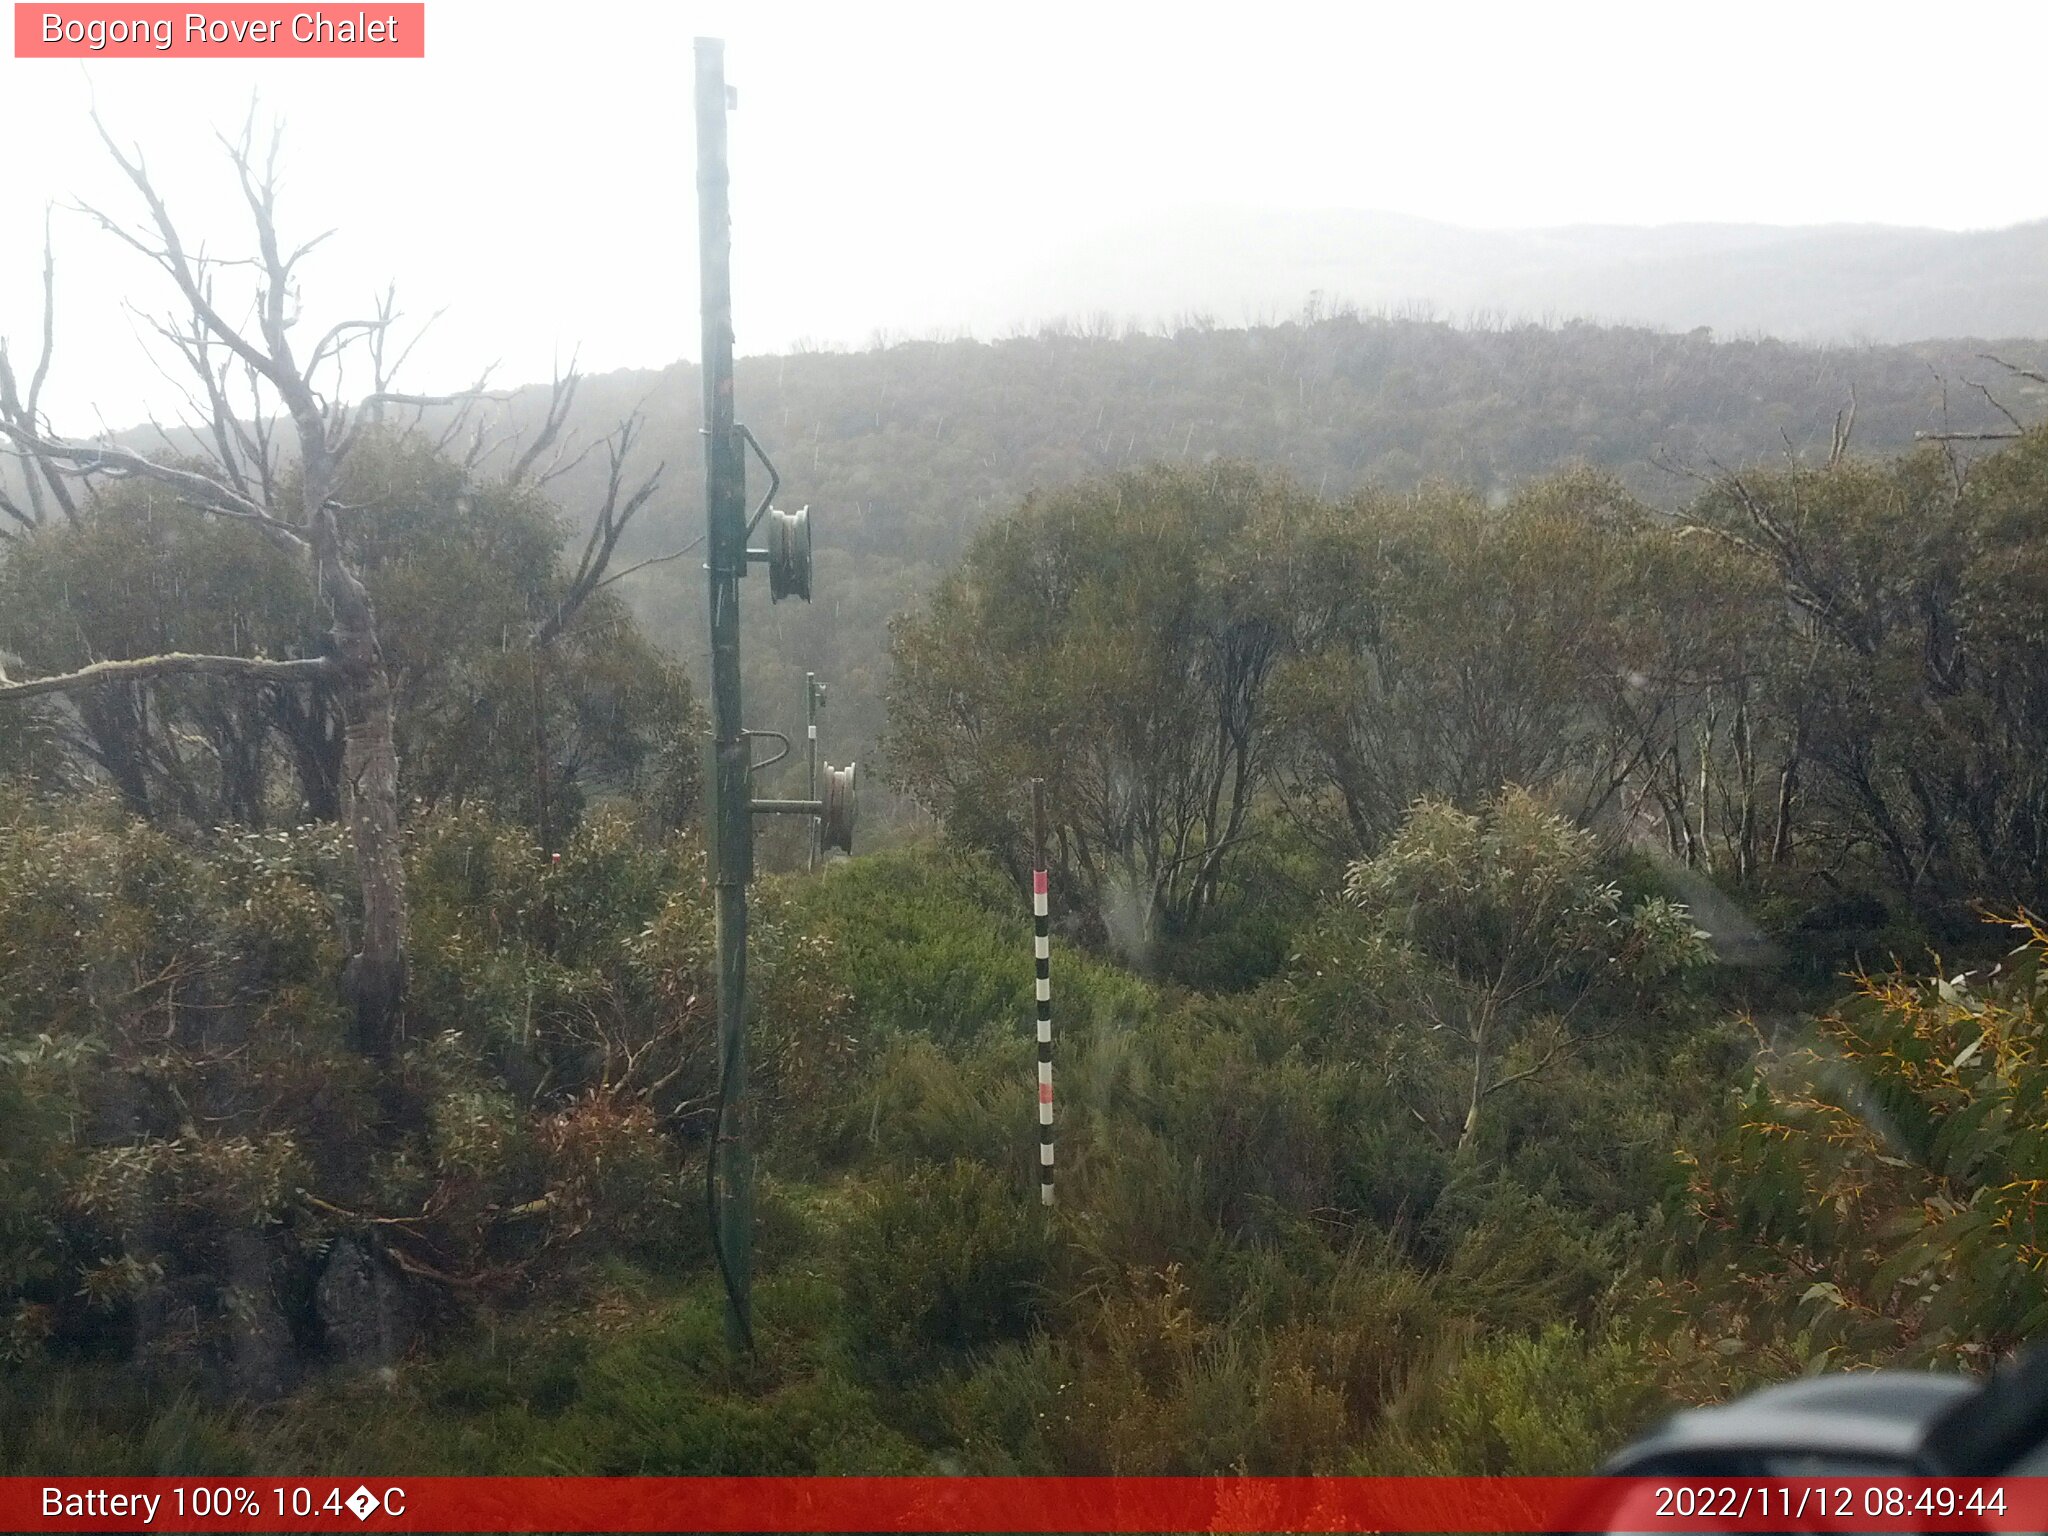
893 164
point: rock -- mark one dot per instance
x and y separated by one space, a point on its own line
256 1346
361 1306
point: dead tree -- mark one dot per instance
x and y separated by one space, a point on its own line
274 436
42 485
2013 429
244 484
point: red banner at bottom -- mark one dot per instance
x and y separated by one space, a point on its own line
1021 1504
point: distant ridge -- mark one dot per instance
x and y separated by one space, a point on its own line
1829 283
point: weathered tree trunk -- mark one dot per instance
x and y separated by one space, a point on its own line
1468 1135
1745 777
113 718
1706 790
316 750
237 727
1687 845
376 974
540 752
1788 793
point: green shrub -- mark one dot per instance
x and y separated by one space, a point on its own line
1153 1376
1228 949
1515 1261
1876 1194
949 1257
1553 1405
922 1105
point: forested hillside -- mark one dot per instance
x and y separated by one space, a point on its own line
905 451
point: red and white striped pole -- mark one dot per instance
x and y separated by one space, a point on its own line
1041 948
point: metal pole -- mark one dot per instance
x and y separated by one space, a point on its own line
1041 950
732 833
811 734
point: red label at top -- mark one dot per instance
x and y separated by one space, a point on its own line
239 31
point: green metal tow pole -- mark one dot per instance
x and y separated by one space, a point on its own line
729 1164
732 840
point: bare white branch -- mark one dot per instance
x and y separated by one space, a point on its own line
174 664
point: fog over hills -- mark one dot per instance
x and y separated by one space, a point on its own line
1809 283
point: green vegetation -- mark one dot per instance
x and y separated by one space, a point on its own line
1264 1259
457 571
906 452
1409 1122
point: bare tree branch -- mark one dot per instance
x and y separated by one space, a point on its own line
26 413
561 395
370 409
558 468
2026 373
479 448
391 397
477 391
171 255
263 426
35 383
208 495
1845 428
1995 435
382 376
174 664
14 510
1997 405
341 334
612 517
641 565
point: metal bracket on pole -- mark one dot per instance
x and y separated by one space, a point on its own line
788 551
778 757
774 477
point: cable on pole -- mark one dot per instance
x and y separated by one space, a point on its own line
737 1307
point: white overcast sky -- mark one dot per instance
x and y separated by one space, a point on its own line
534 173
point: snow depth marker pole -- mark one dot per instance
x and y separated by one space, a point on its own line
1041 948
